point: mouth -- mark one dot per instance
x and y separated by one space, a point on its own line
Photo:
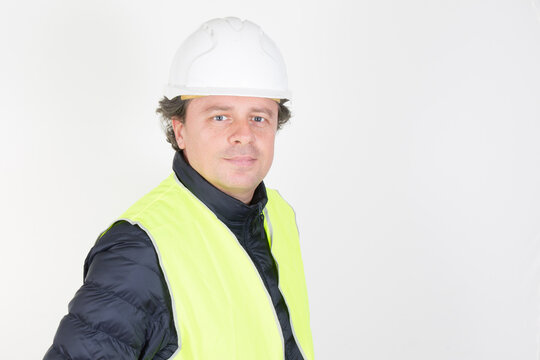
241 161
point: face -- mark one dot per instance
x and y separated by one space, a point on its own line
229 140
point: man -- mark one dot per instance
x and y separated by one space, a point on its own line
207 265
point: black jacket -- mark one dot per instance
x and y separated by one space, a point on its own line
123 310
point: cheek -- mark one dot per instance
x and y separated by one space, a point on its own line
208 145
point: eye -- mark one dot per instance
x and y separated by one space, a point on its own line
258 119
220 117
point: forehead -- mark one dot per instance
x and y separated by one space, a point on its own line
233 103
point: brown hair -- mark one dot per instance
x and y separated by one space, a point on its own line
177 107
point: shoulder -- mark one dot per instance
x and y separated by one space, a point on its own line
124 239
276 200
123 309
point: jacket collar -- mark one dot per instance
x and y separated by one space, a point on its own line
225 207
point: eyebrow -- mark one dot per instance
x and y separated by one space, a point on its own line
263 110
217 108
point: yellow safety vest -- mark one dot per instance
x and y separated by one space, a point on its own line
221 307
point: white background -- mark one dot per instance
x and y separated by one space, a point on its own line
412 160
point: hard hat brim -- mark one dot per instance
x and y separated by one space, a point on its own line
172 91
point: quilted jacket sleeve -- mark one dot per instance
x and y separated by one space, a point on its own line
123 309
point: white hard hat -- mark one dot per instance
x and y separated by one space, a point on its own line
228 56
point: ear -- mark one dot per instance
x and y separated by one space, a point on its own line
178 128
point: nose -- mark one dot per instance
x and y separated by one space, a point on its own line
242 133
